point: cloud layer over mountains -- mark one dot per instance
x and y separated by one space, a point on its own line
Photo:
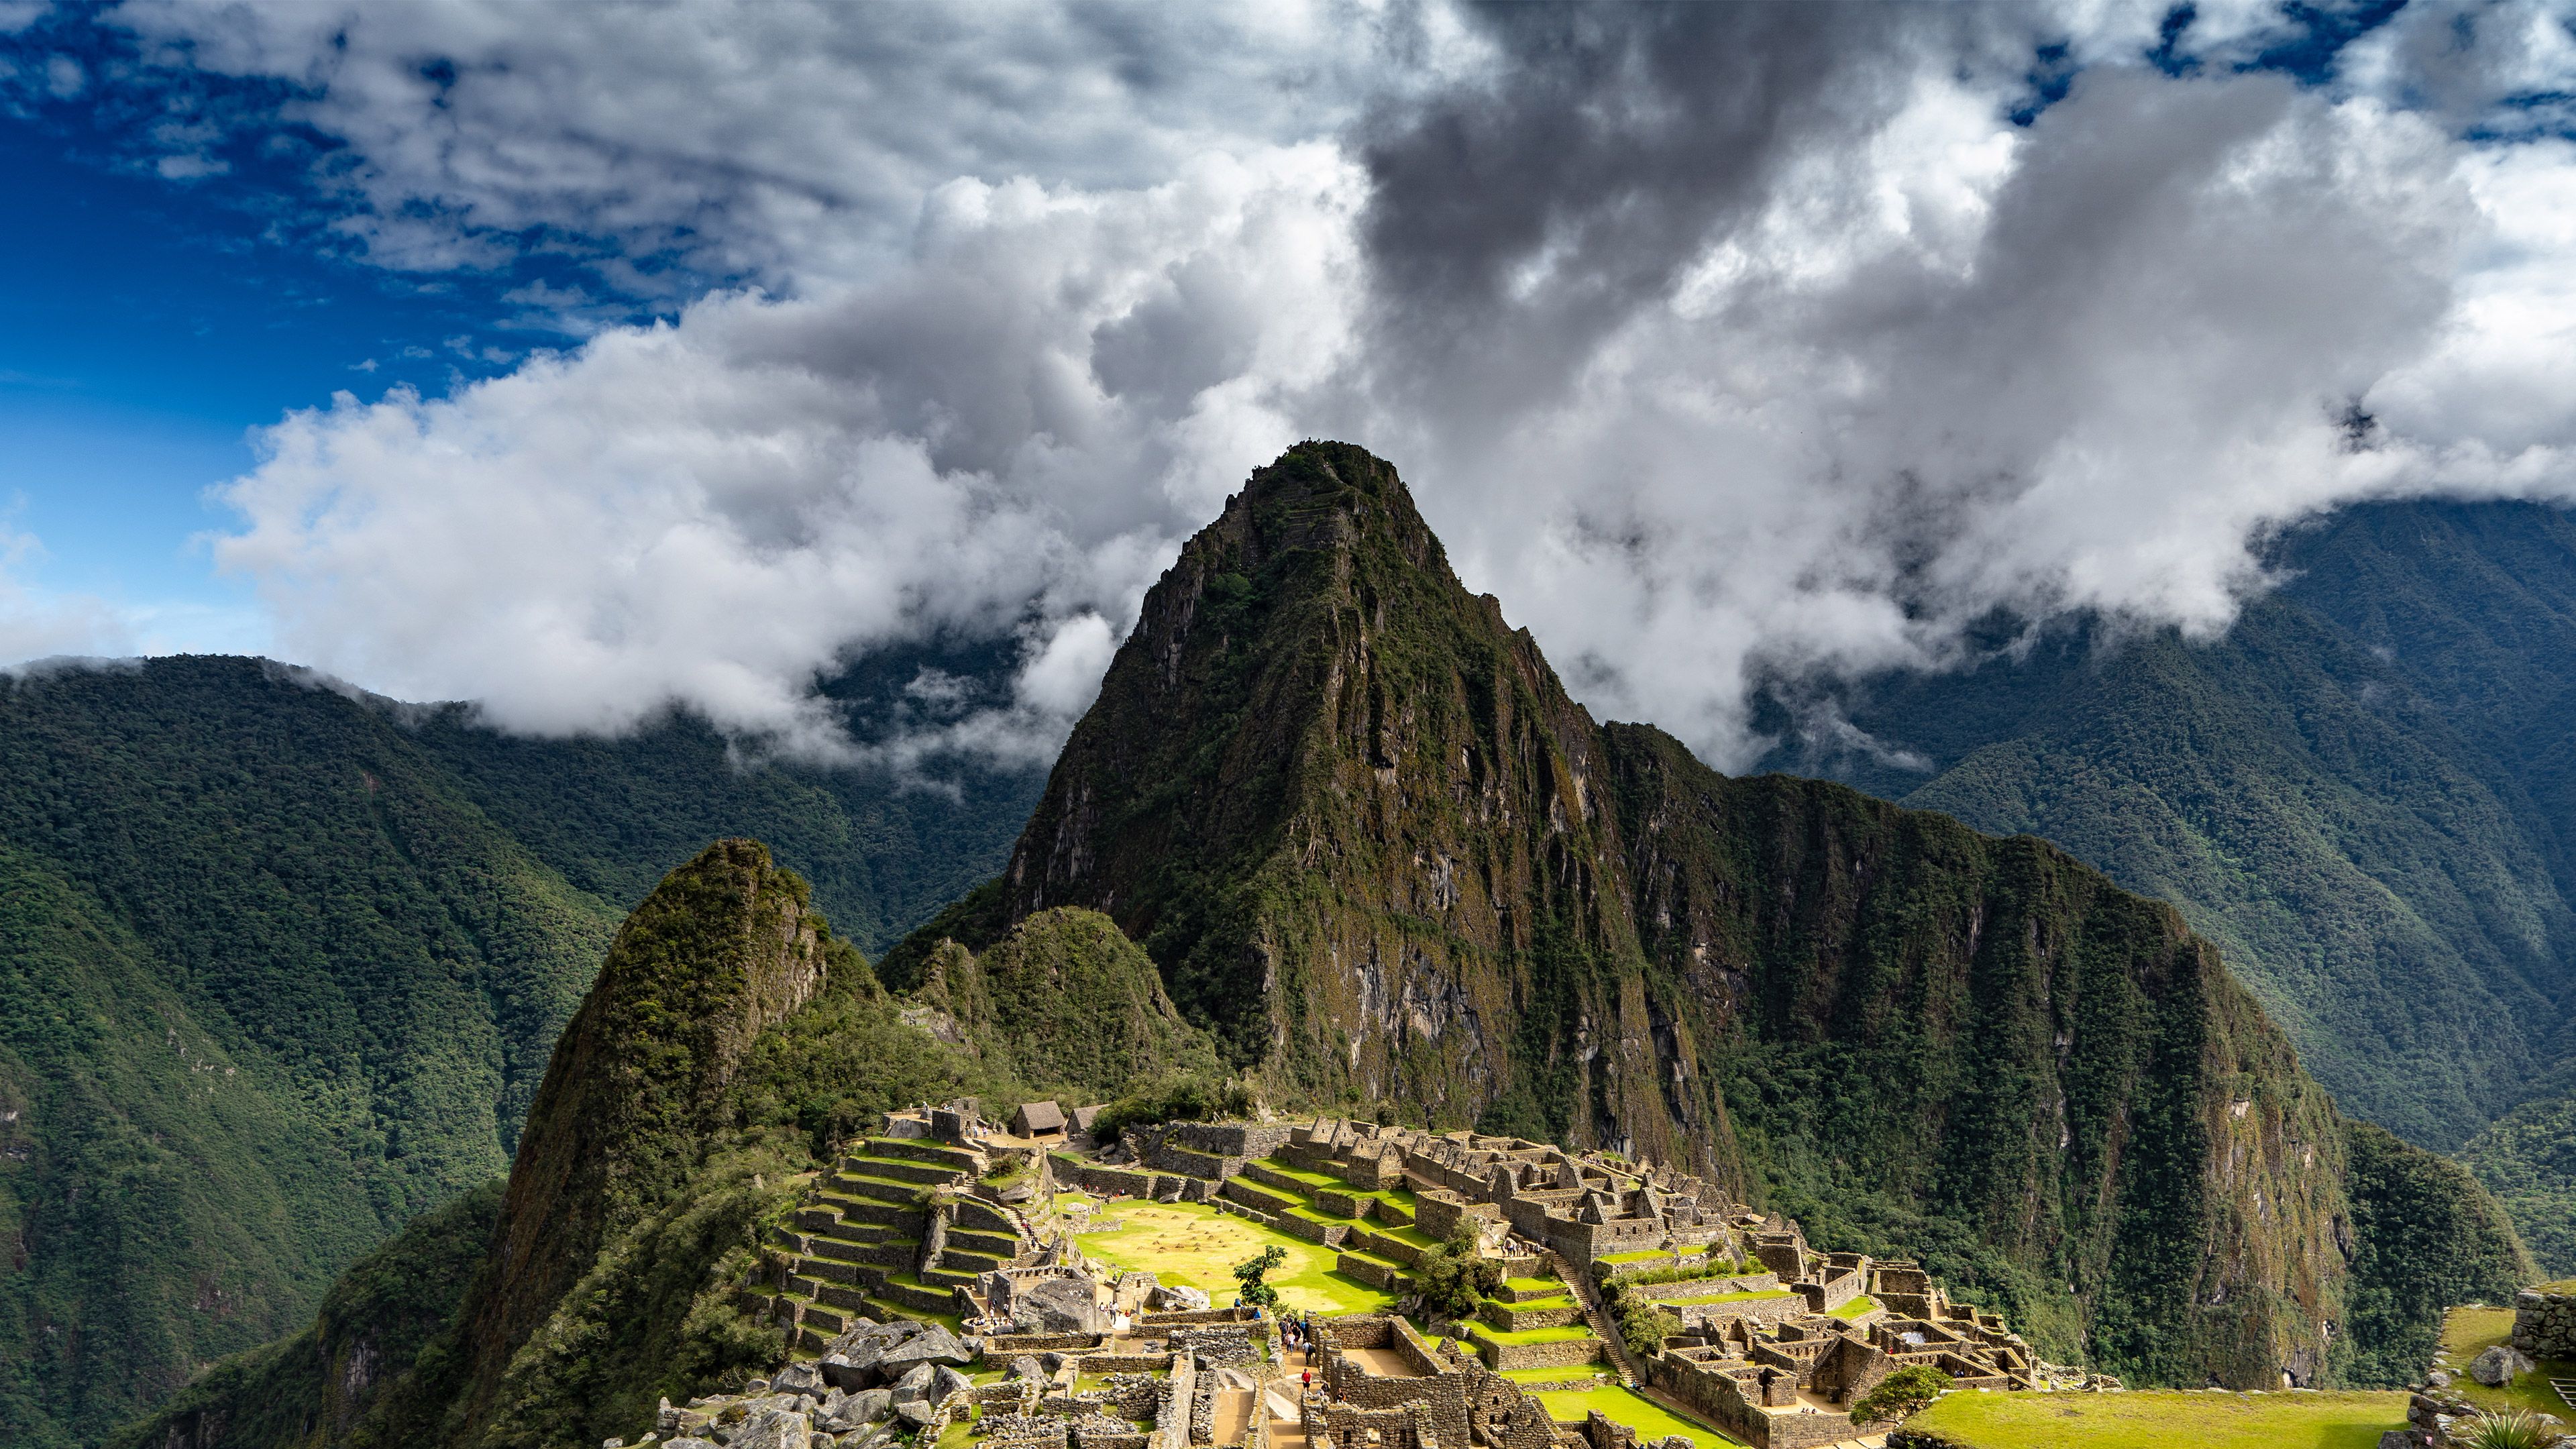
1725 342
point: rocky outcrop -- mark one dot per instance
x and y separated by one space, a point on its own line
723 949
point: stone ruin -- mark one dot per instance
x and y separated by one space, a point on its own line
911 1222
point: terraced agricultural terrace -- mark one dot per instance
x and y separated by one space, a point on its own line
963 1285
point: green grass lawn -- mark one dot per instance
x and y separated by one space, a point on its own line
1533 1305
1196 1246
2163 1419
2468 1332
1525 1285
1567 1334
1305 1175
1648 1255
1856 1308
1755 1296
1402 1197
1406 1233
1623 1406
1557 1375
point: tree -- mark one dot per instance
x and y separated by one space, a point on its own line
1900 1394
1249 1274
1454 1277
1645 1326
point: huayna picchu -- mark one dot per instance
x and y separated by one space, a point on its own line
1518 1077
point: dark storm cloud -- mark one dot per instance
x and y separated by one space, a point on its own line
1518 215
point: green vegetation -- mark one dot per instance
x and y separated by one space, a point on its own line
1453 1277
1858 1308
270 987
1901 1394
1184 1099
372 1327
684 1106
2527 1158
2426 1239
1684 1273
1065 1000
1916 1039
1650 1419
1754 1296
2514 1429
2160 1420
283 965
1567 1334
2358 791
1248 1287
881 855
2468 1332
1196 1246
1645 1326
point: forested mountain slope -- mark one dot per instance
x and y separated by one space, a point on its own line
2360 791
1371 842
729 1040
281 967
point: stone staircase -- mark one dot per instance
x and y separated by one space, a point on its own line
1597 1317
854 1247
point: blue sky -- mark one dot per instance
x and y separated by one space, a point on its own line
148 325
692 351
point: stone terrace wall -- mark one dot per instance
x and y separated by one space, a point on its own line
2544 1324
1233 1139
1438 1211
1716 1397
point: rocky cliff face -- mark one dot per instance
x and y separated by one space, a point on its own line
1358 822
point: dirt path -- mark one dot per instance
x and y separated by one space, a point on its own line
1279 1403
1233 1415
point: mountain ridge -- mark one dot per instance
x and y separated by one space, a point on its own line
1373 844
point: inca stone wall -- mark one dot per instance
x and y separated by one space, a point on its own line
2544 1323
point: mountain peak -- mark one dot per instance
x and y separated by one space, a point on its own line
1366 835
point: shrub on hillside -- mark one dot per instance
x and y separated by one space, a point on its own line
1900 1394
1182 1099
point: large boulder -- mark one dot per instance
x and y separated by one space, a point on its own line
932 1344
1059 1305
1180 1298
798 1378
777 1429
2500 1365
918 1412
875 1353
857 1411
913 1386
1025 1367
945 1380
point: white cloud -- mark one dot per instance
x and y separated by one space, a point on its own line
1008 435
1794 366
786 143
36 623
